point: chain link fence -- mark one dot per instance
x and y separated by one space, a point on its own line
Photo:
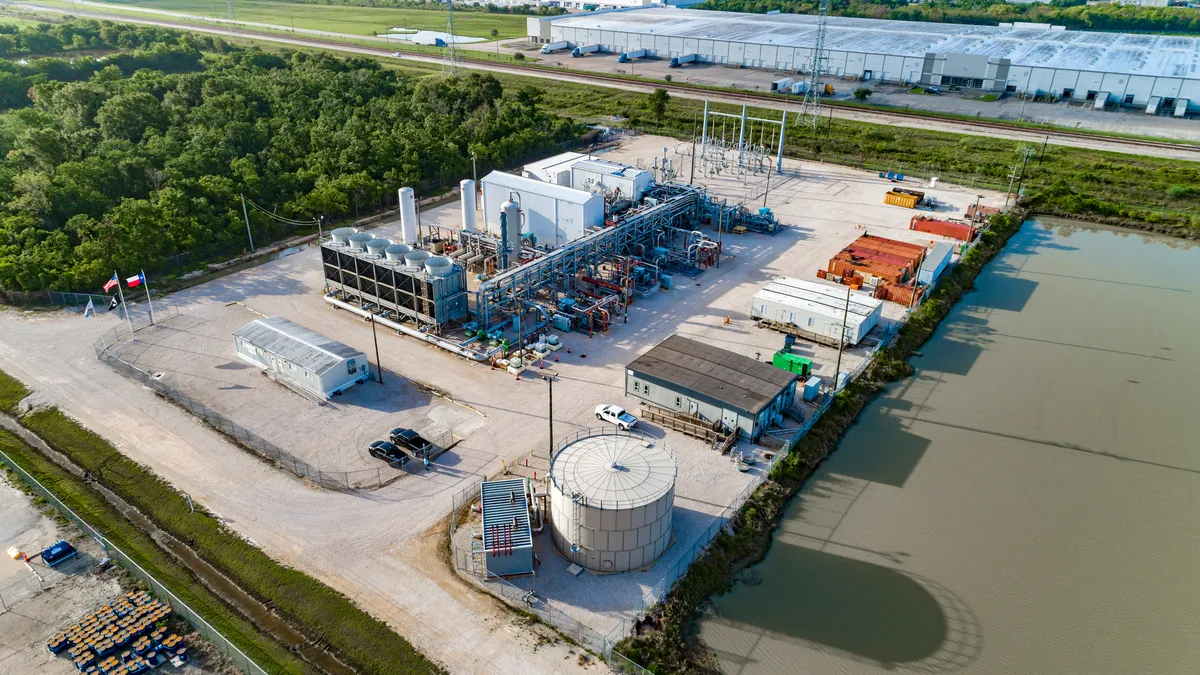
360 479
223 645
38 298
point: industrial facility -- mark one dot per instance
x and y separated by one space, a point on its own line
1155 72
717 385
300 358
611 495
816 311
507 534
567 247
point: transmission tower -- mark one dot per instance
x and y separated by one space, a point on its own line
451 59
810 108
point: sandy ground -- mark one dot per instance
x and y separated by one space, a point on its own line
824 207
32 609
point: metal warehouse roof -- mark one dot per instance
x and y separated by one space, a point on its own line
1036 45
296 344
520 184
501 501
738 382
615 469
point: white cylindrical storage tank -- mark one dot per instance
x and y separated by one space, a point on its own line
378 246
438 266
342 235
358 241
396 252
611 495
466 189
408 216
415 259
512 229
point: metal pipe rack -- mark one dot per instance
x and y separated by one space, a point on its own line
676 204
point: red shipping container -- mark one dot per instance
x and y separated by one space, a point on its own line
915 249
945 228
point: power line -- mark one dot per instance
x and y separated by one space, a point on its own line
279 218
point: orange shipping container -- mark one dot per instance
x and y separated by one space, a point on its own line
868 239
898 199
945 228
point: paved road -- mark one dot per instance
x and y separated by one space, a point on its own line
217 27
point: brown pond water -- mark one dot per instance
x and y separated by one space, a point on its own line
1027 502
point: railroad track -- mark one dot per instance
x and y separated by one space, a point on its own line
876 115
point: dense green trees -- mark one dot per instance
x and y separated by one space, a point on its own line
127 161
1073 14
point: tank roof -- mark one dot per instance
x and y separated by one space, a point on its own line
614 469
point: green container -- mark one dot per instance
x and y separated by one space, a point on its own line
793 363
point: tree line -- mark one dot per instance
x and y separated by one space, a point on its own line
441 6
130 159
1073 14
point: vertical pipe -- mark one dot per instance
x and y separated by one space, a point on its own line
704 132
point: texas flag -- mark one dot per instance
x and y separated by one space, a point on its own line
134 282
111 282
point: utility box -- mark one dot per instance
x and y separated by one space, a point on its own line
793 363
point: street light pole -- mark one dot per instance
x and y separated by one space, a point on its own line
837 372
550 417
378 365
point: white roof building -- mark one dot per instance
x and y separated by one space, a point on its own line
553 214
1129 69
300 358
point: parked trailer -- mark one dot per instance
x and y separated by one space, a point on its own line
584 50
555 46
677 61
626 57
782 86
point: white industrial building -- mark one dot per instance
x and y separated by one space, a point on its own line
1158 72
300 358
817 308
556 169
553 214
598 175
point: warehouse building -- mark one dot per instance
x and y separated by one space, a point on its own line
1158 72
552 214
300 358
718 385
818 311
507 536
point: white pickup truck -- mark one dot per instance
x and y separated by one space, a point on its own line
615 414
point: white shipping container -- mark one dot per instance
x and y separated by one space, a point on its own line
935 262
553 214
556 169
817 308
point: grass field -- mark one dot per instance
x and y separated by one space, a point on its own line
339 18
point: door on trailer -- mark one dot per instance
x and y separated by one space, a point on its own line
693 407
729 419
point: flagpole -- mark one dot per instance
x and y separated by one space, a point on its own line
124 306
148 300
99 331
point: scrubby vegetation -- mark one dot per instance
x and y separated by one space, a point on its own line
1075 14
125 161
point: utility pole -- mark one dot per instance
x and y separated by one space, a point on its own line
1026 153
916 283
246 215
837 372
1044 144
